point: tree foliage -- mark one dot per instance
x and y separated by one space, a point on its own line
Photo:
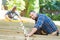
22 5
19 3
29 6
25 6
52 5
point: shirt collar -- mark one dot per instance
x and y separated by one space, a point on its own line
37 17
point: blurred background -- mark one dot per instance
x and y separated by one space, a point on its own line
49 7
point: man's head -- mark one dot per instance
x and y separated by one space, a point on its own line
14 8
33 15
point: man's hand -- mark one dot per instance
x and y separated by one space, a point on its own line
32 32
28 35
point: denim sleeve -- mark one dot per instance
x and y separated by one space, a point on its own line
39 22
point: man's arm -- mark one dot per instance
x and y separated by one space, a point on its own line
37 26
18 14
32 32
6 16
20 18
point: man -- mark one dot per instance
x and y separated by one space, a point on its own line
43 25
12 14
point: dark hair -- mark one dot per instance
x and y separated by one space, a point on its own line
32 11
14 7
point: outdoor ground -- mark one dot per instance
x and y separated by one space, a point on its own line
13 31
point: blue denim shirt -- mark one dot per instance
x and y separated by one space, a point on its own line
45 23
